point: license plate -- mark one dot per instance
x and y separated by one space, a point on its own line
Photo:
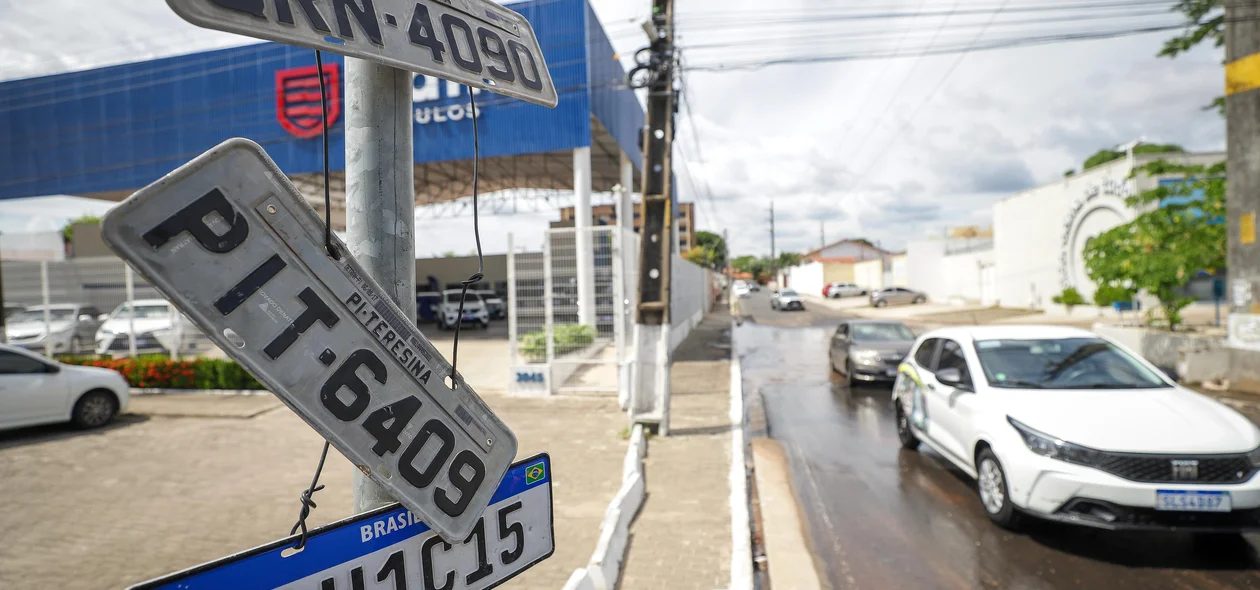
393 547
231 243
1193 501
473 42
891 372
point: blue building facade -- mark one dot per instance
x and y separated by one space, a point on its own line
118 128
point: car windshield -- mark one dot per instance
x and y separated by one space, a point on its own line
144 311
37 315
1062 363
453 298
787 293
881 333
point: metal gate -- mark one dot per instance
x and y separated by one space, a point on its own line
552 351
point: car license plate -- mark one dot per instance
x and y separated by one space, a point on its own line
231 243
392 546
473 42
1193 501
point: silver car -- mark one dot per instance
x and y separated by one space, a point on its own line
870 350
896 296
71 328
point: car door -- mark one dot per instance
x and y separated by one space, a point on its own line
951 407
840 346
29 392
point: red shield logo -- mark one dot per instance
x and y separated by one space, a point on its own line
297 99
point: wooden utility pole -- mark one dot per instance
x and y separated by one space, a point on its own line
1242 193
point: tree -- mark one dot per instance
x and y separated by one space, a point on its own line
1205 20
759 268
787 259
1105 155
1069 298
67 231
716 247
1140 255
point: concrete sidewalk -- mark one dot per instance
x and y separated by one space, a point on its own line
682 537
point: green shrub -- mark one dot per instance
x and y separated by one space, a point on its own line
1108 294
567 337
1069 298
533 346
159 371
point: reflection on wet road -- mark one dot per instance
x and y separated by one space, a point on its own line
878 517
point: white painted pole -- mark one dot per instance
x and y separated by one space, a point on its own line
548 295
380 198
625 229
511 301
582 227
43 288
131 309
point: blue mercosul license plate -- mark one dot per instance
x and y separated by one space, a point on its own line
1193 501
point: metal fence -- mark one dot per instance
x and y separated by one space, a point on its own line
78 306
552 350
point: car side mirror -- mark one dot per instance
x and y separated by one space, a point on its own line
951 377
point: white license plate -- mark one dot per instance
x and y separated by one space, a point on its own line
1192 501
231 243
473 42
392 548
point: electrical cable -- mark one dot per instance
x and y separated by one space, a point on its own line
478 276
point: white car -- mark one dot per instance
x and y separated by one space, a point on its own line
474 310
1061 424
494 304
70 329
152 318
787 299
838 290
741 289
37 390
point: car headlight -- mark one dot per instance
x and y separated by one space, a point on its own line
1254 457
1054 448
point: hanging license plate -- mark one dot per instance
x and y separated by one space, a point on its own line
231 243
391 548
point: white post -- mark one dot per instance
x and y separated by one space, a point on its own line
625 228
619 294
43 287
511 300
582 241
548 313
131 309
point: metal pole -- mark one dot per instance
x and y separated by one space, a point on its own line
380 197
1242 193
548 304
511 300
582 242
130 280
43 289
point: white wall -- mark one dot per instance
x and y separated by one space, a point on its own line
47 245
900 270
806 278
869 274
945 277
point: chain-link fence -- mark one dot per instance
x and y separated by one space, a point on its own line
80 306
553 349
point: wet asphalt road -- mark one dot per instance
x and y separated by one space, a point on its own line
879 517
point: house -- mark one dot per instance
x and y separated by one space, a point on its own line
833 263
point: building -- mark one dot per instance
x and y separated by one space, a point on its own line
838 263
684 221
1038 239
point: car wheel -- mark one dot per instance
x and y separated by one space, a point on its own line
909 441
881 303
95 409
994 496
918 300
848 373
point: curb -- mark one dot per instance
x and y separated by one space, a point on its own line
163 391
741 531
603 572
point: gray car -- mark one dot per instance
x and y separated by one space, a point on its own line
869 350
896 296
71 328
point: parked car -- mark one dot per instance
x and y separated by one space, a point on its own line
1060 424
869 350
786 299
741 289
37 390
151 316
474 310
494 304
12 308
71 328
838 290
896 296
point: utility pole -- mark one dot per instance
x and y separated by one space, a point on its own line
650 387
774 262
380 198
822 235
1242 193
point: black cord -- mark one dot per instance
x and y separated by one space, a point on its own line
307 503
305 499
323 125
476 278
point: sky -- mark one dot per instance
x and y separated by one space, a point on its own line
891 150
